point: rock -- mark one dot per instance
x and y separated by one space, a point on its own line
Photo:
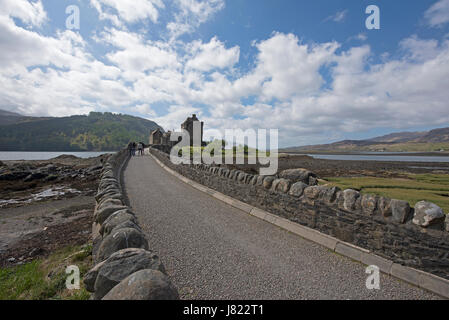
313 181
283 185
116 219
428 214
260 180
125 225
107 174
225 173
51 177
384 207
13 175
237 175
232 173
102 214
121 239
144 285
274 184
122 264
107 191
312 192
111 197
446 222
350 199
95 246
109 202
329 194
297 189
248 178
105 185
268 181
91 277
50 168
35 252
297 175
35 176
2 164
107 188
241 177
95 168
369 204
400 210
11 260
253 180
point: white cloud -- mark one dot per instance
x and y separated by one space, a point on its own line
144 109
176 115
360 37
438 14
418 49
30 12
285 87
339 16
128 11
191 14
288 67
208 56
134 55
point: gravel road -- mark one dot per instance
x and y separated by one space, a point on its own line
214 251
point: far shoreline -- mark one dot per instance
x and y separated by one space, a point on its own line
369 153
6 156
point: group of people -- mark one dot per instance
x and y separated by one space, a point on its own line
133 147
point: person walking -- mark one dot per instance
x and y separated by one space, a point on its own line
130 149
140 149
134 149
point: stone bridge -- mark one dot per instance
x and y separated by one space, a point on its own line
212 250
208 245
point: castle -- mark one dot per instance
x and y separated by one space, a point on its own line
161 140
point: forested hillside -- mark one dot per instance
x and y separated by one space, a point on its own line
95 132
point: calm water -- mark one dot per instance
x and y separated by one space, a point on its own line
380 158
20 155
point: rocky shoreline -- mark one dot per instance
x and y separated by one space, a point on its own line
46 205
26 182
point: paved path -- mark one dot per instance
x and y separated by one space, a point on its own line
214 251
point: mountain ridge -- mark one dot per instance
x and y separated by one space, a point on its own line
94 132
425 141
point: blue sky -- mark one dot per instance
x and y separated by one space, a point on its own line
309 68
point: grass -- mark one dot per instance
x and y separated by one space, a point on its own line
44 279
413 188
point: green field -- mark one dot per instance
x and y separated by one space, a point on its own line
45 279
414 188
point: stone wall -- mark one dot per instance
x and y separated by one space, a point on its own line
125 268
417 238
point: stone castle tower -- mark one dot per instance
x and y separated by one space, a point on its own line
188 126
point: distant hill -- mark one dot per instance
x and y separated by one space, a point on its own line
398 137
428 141
95 132
7 117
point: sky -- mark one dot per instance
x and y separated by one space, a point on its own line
311 69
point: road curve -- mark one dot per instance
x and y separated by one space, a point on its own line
214 251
